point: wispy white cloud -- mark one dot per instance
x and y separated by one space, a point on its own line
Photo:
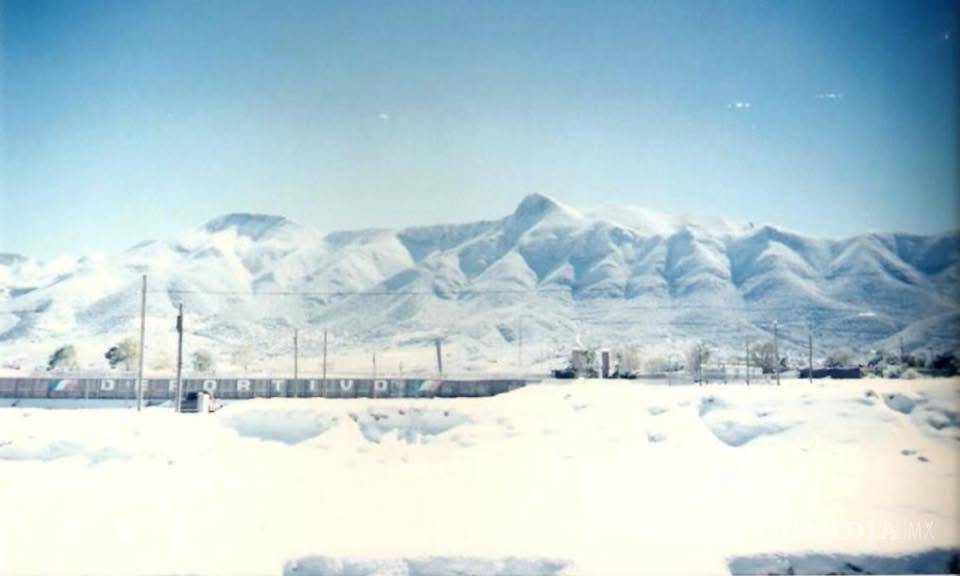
740 105
829 96
383 116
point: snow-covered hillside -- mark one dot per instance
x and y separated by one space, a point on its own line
586 478
611 275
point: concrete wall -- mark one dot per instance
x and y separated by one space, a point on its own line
237 388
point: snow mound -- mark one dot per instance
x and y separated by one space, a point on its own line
935 561
736 427
290 427
411 425
940 419
709 404
737 433
899 402
408 424
655 437
45 450
427 566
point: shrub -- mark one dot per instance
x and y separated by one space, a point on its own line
838 359
63 358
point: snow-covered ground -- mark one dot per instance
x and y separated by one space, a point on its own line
559 478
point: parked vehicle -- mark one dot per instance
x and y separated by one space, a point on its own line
200 402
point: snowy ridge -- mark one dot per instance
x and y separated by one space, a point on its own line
612 275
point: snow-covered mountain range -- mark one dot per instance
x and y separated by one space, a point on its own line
545 275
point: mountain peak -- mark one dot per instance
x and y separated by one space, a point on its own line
254 226
536 205
535 208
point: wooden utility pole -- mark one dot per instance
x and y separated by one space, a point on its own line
374 364
296 360
776 352
179 358
700 364
143 322
746 355
519 344
810 355
439 358
324 355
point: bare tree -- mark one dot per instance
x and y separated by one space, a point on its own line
628 359
202 361
125 353
63 358
242 357
838 358
659 364
697 358
764 355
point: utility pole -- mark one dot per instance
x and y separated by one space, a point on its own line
519 344
179 358
296 360
143 321
439 358
324 355
776 352
902 355
374 364
700 364
810 355
746 355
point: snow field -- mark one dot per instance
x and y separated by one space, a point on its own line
588 477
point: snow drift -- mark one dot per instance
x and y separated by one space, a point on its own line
584 478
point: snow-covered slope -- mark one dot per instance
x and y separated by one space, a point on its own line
546 273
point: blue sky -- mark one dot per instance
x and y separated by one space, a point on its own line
131 120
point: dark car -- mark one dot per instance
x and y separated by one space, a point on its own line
195 402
